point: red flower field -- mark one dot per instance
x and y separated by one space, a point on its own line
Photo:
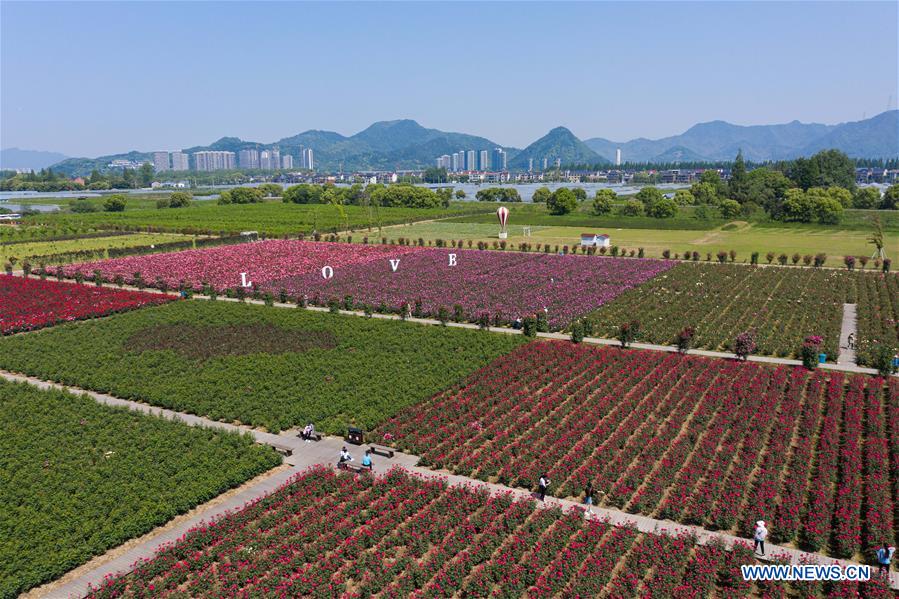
711 442
27 304
329 535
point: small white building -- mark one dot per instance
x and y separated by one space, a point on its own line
594 240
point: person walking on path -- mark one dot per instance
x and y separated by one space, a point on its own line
542 485
850 342
344 458
308 432
366 459
884 556
759 536
588 498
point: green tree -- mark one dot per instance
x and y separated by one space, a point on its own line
602 202
632 208
729 208
180 199
580 193
798 207
890 200
241 195
435 175
541 195
561 201
664 208
738 186
841 195
649 196
271 190
114 203
866 198
146 174
828 210
305 193
460 194
96 177
705 193
683 197
129 181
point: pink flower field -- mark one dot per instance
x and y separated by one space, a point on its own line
509 284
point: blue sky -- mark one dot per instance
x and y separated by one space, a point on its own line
97 78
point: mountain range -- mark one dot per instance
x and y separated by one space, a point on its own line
16 158
404 144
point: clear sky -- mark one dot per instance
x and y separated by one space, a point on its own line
98 78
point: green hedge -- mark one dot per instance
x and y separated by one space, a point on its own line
78 478
375 366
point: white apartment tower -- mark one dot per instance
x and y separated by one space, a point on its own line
287 162
161 161
248 158
618 157
308 162
213 161
180 161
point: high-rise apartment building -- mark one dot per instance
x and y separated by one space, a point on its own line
618 157
287 162
471 161
265 160
274 159
308 162
530 165
483 160
161 161
545 163
499 159
458 161
180 161
445 161
248 158
214 161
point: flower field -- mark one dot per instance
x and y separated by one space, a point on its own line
220 267
27 304
509 284
878 312
261 366
783 306
700 441
78 478
328 535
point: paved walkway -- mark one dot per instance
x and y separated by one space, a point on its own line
850 322
326 451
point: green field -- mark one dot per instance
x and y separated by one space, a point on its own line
262 366
31 250
269 218
78 478
744 238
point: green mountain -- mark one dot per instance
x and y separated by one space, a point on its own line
559 143
877 137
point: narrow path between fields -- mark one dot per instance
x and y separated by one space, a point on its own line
303 455
850 322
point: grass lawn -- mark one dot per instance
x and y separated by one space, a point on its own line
262 366
78 478
270 218
745 238
29 250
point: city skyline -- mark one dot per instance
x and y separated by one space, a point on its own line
561 62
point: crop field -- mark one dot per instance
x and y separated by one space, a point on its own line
78 478
32 251
782 306
27 304
269 218
261 366
743 238
496 283
328 535
701 441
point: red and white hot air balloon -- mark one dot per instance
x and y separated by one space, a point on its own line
502 213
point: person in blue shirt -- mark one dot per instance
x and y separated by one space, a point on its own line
366 459
884 556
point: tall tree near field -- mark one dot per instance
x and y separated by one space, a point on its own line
738 187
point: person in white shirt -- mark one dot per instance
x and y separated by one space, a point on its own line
344 458
759 536
542 484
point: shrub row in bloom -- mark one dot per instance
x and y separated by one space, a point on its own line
27 304
710 442
782 306
329 535
493 283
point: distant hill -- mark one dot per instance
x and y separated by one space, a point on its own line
877 137
559 143
17 158
405 144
